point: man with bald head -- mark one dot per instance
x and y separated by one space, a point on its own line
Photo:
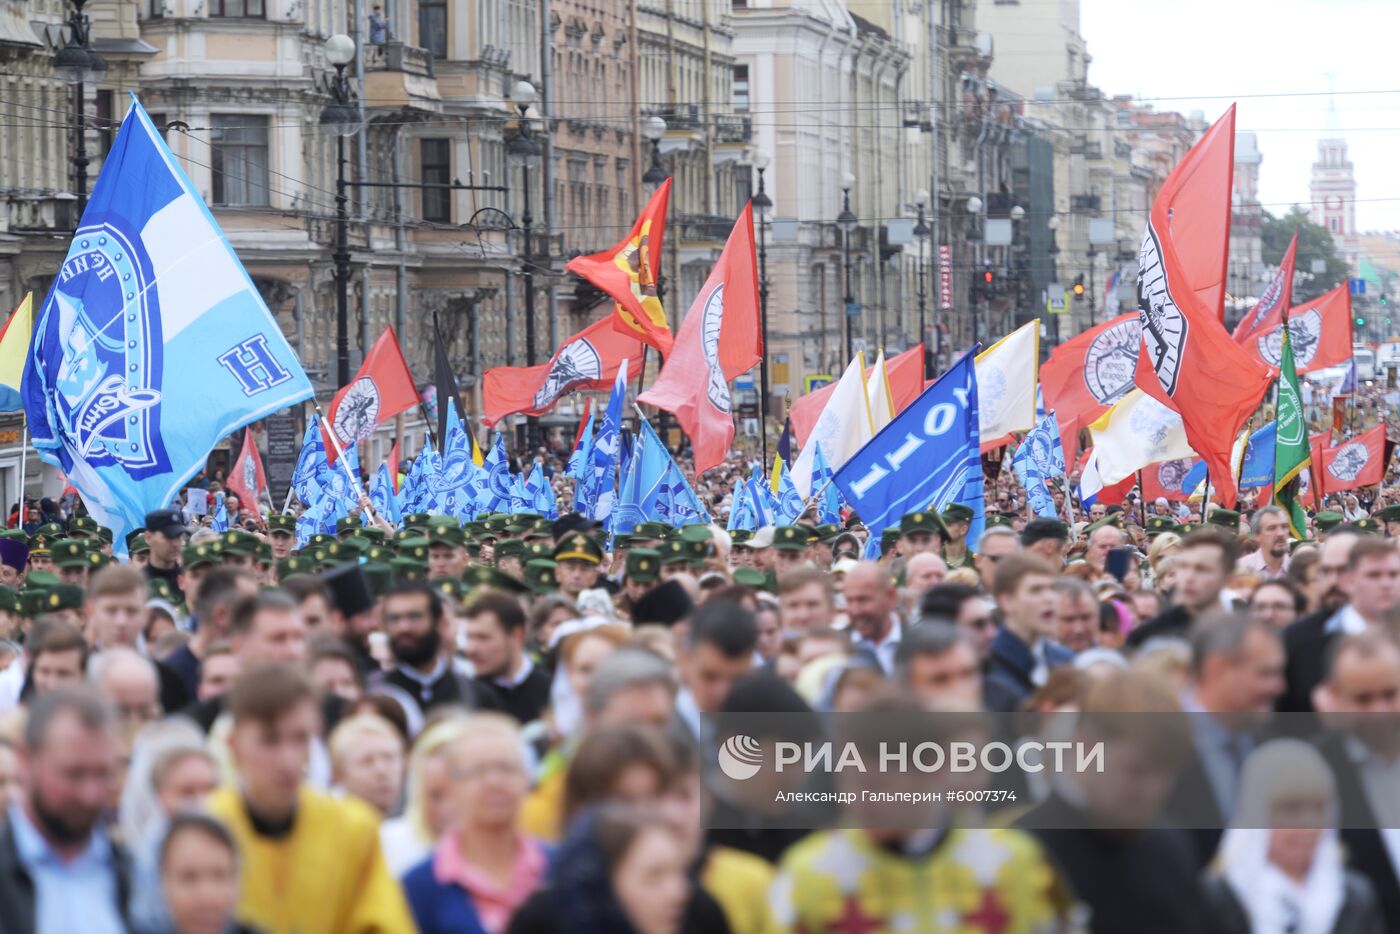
128 681
872 607
922 571
1101 541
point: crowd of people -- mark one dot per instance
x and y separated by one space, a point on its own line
496 726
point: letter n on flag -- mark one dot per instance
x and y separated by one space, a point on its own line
628 273
719 339
382 389
1188 360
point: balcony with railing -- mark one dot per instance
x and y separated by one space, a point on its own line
1084 204
732 128
712 228
400 77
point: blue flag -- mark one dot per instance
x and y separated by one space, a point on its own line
540 498
414 491
926 458
655 489
597 496
311 462
740 514
789 502
760 496
828 496
1194 478
1040 459
581 461
220 521
150 305
496 483
381 495
452 491
1257 468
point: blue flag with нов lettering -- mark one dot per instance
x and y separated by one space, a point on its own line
927 458
1257 468
153 343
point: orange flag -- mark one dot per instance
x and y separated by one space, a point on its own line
906 374
628 273
1188 360
1268 312
1355 463
247 478
588 360
382 389
719 339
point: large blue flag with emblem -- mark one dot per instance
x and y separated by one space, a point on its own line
594 496
789 502
495 481
654 488
1040 459
413 492
740 514
381 495
153 344
926 458
452 492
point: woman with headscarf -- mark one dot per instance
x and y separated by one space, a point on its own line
1280 867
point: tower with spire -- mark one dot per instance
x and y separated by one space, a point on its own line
1333 190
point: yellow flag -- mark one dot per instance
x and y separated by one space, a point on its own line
476 453
14 346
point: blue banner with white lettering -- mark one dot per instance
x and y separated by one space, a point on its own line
153 343
927 458
1257 468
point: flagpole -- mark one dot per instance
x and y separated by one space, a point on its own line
1142 501
340 456
1205 496
23 463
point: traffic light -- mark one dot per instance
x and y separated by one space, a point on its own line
1360 321
1078 288
989 283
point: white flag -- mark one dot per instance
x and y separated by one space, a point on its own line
877 389
842 429
1007 374
1137 431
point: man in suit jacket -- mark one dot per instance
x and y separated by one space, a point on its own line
1363 677
1236 676
1206 562
1361 576
1024 650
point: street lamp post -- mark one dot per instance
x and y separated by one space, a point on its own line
653 128
847 222
342 118
974 207
762 208
922 232
78 64
524 152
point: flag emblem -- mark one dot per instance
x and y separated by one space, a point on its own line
1171 474
1111 360
108 383
1306 333
358 412
578 362
1151 420
1350 461
717 388
1164 327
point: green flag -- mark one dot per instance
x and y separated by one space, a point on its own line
1292 455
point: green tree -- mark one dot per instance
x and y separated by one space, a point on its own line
1314 243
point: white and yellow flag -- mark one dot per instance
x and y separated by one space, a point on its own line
877 389
843 428
1137 431
1007 373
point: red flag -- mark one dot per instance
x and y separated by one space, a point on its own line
588 360
1188 361
382 389
1162 480
393 461
718 340
906 374
1321 331
1268 312
583 422
1355 463
1086 375
1109 495
247 478
628 273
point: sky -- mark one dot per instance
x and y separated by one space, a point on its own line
1274 58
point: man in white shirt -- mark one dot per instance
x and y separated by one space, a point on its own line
1270 527
872 602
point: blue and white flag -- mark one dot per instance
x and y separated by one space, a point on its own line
789 503
310 462
496 482
654 488
1257 468
927 458
318 518
581 460
381 495
219 523
597 493
150 306
1040 459
540 498
452 491
828 496
760 497
520 497
414 490
740 515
